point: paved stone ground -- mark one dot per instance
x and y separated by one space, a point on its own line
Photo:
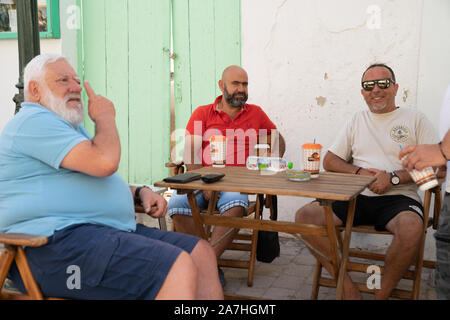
290 276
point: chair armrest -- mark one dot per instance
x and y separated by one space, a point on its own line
17 239
140 209
437 203
175 167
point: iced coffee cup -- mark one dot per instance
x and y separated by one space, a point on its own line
311 158
425 179
218 148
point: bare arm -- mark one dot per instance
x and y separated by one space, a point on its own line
426 155
99 157
383 184
333 163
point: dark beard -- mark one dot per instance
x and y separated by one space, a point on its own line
232 100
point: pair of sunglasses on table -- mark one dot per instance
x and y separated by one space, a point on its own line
381 83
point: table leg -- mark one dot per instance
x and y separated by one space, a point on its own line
211 207
332 236
345 250
196 215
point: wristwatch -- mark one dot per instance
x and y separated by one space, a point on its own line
395 180
137 194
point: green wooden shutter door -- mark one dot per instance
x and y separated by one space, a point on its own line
125 55
149 82
124 51
207 39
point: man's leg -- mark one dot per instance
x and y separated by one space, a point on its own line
197 258
218 232
181 281
193 276
407 228
185 224
230 204
314 214
180 212
208 284
114 264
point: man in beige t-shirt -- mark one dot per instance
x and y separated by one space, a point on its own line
369 144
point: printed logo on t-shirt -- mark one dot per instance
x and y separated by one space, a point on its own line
400 134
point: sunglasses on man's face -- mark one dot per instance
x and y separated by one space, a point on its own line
381 83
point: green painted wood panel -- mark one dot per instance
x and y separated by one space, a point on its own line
124 53
149 81
182 73
117 74
93 50
227 17
207 39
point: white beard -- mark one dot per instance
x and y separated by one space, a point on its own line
59 106
380 108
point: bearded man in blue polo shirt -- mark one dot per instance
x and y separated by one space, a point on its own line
58 182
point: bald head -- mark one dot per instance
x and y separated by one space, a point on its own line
234 86
233 71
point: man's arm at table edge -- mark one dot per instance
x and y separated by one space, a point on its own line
333 163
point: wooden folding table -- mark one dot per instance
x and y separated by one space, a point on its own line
328 187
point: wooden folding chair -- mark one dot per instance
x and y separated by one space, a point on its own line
14 250
415 271
245 240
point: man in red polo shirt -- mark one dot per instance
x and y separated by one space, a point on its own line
241 123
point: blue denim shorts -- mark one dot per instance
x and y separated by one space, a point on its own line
179 204
111 264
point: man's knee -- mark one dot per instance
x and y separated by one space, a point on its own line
236 211
311 213
185 261
407 226
204 252
181 281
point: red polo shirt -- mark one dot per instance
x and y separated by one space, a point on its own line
241 132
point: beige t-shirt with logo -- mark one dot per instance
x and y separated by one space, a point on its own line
374 140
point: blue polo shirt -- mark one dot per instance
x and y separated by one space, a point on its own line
37 196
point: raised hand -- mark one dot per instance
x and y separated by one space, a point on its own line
98 107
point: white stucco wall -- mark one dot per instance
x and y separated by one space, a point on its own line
9 59
305 60
9 70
